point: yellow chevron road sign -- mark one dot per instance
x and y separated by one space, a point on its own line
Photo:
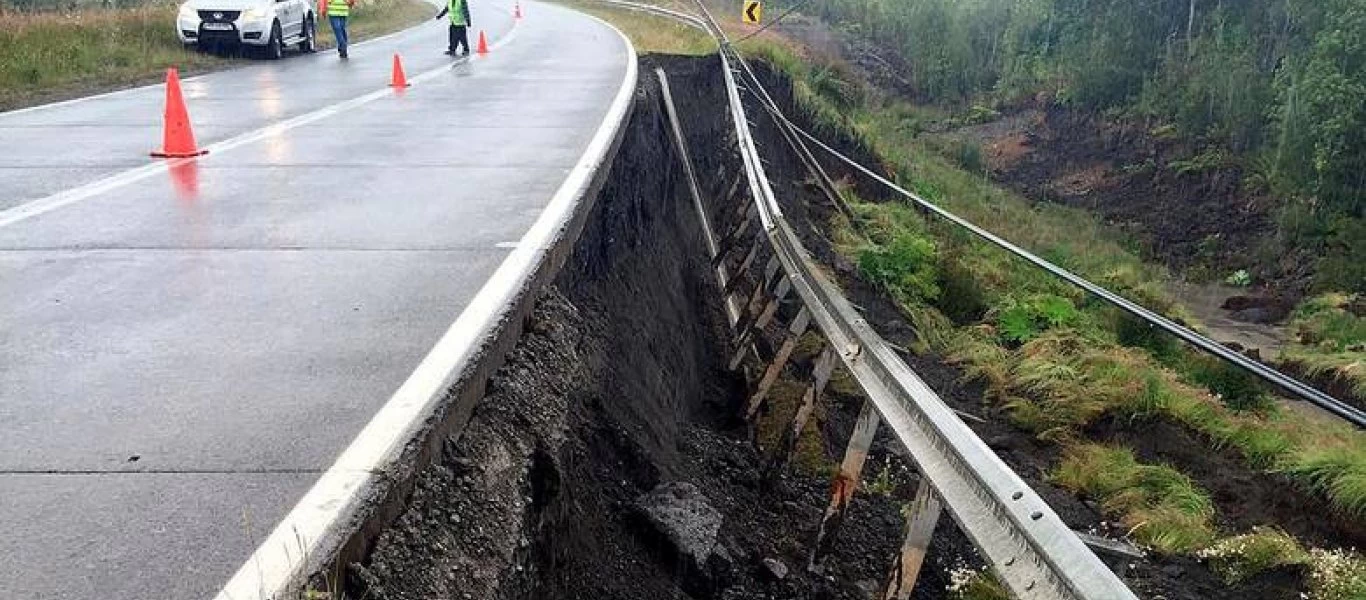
754 11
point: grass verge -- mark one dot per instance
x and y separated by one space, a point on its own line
51 56
650 33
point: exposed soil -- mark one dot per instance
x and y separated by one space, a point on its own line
619 385
1245 497
1198 219
885 70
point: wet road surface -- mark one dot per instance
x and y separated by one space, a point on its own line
184 350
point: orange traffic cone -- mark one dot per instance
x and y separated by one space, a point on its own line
517 10
178 138
483 43
399 80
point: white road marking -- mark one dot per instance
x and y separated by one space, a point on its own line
64 198
318 522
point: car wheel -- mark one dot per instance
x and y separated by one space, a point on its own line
310 41
275 49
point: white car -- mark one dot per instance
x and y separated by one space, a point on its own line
267 25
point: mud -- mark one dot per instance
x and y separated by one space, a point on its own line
1245 498
619 385
1187 210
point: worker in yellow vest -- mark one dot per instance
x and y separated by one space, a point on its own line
459 11
338 11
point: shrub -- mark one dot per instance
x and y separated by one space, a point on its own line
905 266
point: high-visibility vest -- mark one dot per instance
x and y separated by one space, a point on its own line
457 12
337 8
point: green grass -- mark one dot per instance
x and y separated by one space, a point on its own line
52 54
1163 508
1330 341
650 33
374 18
47 56
976 585
1055 358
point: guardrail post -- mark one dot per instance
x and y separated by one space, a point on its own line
846 481
754 305
921 517
728 240
794 334
761 320
787 446
745 264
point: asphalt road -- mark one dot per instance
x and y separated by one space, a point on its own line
183 351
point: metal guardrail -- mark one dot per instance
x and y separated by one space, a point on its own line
1030 548
1294 387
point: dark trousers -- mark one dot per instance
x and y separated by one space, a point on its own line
339 32
459 38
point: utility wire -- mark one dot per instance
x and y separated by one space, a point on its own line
1295 387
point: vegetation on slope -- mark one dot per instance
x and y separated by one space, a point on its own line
1056 360
1279 83
1330 341
1059 361
650 33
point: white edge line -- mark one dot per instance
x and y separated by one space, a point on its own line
313 528
151 86
64 198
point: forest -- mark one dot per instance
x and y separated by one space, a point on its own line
1277 86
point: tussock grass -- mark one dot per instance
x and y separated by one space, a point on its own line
1055 358
1163 508
1338 472
1330 341
1241 557
966 584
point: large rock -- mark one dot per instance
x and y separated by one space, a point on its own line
680 512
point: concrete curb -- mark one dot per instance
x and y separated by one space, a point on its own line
338 519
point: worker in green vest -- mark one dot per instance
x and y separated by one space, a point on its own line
459 11
338 11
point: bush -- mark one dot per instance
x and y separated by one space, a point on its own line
905 267
1134 332
1023 320
968 155
1238 389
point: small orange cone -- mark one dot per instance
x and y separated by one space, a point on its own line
399 80
178 138
483 43
517 10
